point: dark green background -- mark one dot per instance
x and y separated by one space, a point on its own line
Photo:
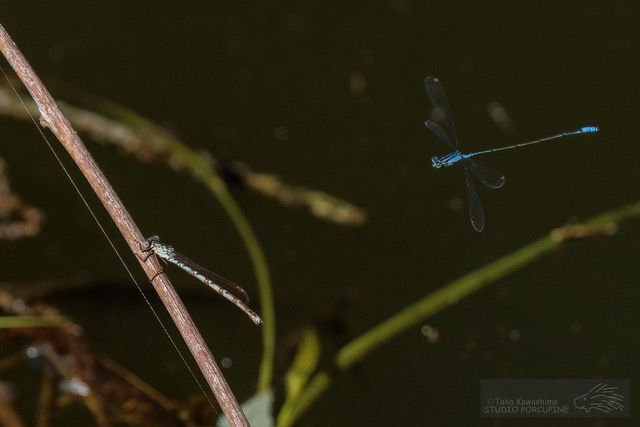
225 75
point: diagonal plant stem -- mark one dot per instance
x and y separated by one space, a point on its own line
146 141
54 119
450 294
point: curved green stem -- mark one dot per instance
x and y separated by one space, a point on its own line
449 294
263 279
179 154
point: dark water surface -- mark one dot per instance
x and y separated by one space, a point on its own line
346 81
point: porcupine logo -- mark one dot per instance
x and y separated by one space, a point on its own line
601 398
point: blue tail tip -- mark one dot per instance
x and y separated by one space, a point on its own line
590 129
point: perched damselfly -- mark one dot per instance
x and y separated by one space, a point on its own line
224 287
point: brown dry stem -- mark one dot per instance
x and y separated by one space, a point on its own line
52 117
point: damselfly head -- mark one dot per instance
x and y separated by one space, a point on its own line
152 241
435 162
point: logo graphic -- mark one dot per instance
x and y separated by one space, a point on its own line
601 398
